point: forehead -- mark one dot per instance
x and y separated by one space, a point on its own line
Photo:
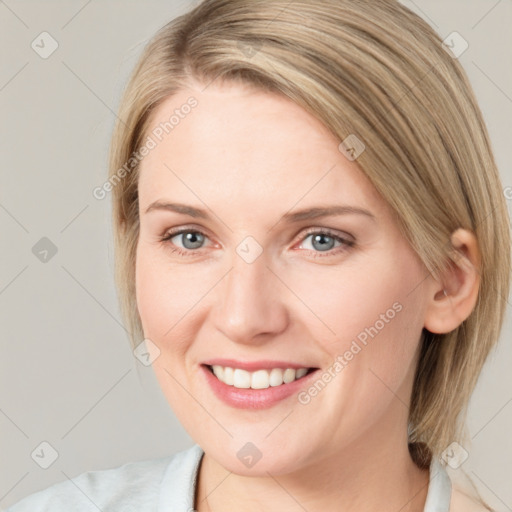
246 145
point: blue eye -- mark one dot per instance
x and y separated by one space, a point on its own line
191 240
323 242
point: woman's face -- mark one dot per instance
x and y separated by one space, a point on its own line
255 276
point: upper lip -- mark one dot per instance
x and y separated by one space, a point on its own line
251 366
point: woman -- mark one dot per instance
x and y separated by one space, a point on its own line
313 243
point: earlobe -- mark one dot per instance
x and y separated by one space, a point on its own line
453 298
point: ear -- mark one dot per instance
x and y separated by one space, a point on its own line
452 298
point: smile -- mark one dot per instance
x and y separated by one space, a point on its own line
255 384
259 379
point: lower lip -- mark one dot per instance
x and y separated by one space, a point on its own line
254 398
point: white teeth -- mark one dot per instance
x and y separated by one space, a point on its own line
301 372
276 377
260 379
241 379
218 371
289 375
228 376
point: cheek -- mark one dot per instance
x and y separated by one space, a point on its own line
344 302
163 296
164 299
377 324
172 301
366 315
151 293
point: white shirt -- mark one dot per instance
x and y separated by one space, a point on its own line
163 485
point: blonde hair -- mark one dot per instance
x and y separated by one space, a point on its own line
377 71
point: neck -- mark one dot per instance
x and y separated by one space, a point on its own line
375 473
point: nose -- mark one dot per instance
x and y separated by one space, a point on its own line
250 303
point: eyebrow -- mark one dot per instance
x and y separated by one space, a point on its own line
290 217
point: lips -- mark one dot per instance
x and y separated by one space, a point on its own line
255 384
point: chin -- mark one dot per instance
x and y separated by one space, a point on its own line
256 459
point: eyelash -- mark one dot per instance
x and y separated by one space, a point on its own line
346 243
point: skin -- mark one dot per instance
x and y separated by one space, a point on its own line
249 157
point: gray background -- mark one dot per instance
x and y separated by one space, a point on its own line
67 374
